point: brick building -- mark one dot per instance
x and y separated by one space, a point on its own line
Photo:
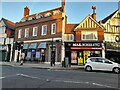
42 34
88 40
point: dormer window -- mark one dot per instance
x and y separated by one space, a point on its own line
38 16
23 20
30 18
56 12
47 14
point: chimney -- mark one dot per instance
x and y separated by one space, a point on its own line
94 12
26 11
63 5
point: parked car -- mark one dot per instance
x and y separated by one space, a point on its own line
102 64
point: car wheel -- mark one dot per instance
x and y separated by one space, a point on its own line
116 70
88 68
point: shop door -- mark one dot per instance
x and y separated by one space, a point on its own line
80 58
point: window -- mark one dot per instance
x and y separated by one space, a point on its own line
20 33
47 14
35 29
89 35
30 18
27 32
44 29
53 28
56 12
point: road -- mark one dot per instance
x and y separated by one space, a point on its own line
19 77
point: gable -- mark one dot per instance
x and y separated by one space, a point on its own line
114 14
2 23
88 22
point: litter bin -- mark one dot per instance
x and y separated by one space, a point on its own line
66 61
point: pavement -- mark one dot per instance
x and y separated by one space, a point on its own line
45 65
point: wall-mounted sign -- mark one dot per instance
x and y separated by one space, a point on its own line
83 44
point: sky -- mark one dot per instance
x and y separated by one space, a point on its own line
75 11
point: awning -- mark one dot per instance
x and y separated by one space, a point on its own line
33 46
42 45
25 46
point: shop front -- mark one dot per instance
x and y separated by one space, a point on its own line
78 52
35 52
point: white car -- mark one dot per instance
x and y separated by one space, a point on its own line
99 63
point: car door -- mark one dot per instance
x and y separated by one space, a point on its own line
107 65
96 64
99 63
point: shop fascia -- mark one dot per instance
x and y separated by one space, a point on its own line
86 44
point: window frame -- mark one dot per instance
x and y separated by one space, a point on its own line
84 33
43 30
52 28
26 32
20 33
34 31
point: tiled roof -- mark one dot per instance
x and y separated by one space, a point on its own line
9 24
108 17
43 13
70 28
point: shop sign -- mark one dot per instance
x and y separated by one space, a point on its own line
86 44
83 44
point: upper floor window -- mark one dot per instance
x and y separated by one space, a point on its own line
56 12
30 18
20 33
87 35
44 30
27 32
47 14
35 30
53 31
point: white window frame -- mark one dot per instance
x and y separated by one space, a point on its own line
52 28
87 32
34 28
20 33
43 30
26 32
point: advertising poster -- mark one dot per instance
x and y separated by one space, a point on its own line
37 55
80 59
74 57
29 55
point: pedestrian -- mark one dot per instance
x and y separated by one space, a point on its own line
22 58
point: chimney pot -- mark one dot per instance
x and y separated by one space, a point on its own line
94 12
26 11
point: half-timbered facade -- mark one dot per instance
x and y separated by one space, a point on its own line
112 25
89 36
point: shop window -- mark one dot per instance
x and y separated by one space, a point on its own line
28 55
20 33
44 29
35 30
27 32
53 28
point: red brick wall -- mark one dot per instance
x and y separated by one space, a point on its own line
30 24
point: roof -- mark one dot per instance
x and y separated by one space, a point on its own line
8 23
70 28
81 25
108 17
44 12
